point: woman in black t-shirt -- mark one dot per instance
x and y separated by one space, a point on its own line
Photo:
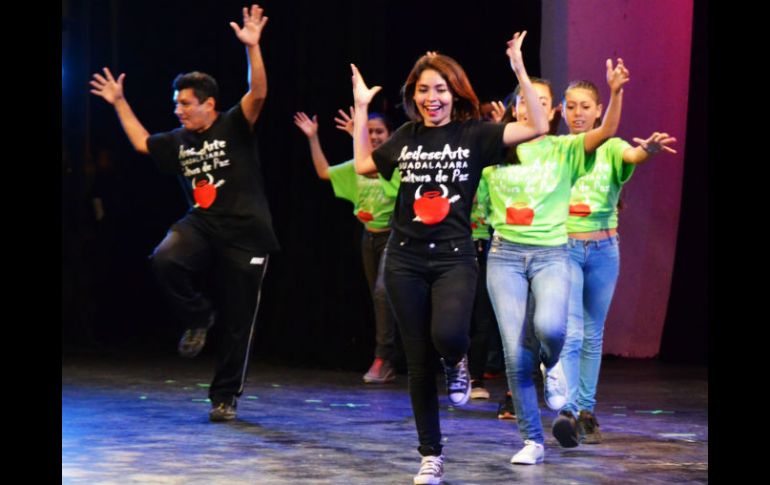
431 266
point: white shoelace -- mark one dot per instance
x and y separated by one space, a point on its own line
431 465
458 377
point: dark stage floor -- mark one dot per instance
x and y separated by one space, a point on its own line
132 421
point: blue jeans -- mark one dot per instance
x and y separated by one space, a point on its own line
513 270
594 267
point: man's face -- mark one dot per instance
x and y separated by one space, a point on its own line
193 114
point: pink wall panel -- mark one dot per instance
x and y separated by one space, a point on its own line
653 38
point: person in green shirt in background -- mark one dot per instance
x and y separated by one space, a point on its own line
373 199
529 197
594 249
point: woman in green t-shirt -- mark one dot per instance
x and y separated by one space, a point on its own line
373 199
529 198
594 249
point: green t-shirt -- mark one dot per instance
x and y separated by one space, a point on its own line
373 198
480 212
530 200
594 198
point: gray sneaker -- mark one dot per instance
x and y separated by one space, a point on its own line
193 339
222 412
458 382
588 428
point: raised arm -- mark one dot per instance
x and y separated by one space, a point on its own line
254 99
309 127
362 147
345 122
656 143
616 77
111 90
536 123
498 111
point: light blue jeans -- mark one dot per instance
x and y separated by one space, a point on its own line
594 268
512 271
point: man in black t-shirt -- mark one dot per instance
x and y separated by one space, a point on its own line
227 234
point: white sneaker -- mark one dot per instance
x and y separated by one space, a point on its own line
554 386
531 454
458 382
478 392
431 470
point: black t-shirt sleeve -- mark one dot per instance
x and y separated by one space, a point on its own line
386 155
236 117
163 149
490 137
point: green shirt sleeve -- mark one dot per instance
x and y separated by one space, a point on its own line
580 162
343 179
390 187
622 170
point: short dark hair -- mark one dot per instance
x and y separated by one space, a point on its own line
375 115
203 85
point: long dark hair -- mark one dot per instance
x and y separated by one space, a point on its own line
465 105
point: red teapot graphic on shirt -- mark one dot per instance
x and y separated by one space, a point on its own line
432 207
205 191
365 216
580 209
519 213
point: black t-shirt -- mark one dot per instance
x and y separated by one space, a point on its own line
440 171
221 173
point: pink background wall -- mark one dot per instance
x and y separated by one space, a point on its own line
653 38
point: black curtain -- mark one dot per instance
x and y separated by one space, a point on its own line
685 334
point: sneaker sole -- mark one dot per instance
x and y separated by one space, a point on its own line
220 419
538 461
592 440
565 434
369 380
429 482
462 402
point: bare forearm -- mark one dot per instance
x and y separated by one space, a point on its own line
536 123
635 155
319 159
362 147
257 75
135 132
536 119
609 126
254 99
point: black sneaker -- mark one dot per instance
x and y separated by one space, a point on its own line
222 412
505 409
588 427
458 382
565 429
193 339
